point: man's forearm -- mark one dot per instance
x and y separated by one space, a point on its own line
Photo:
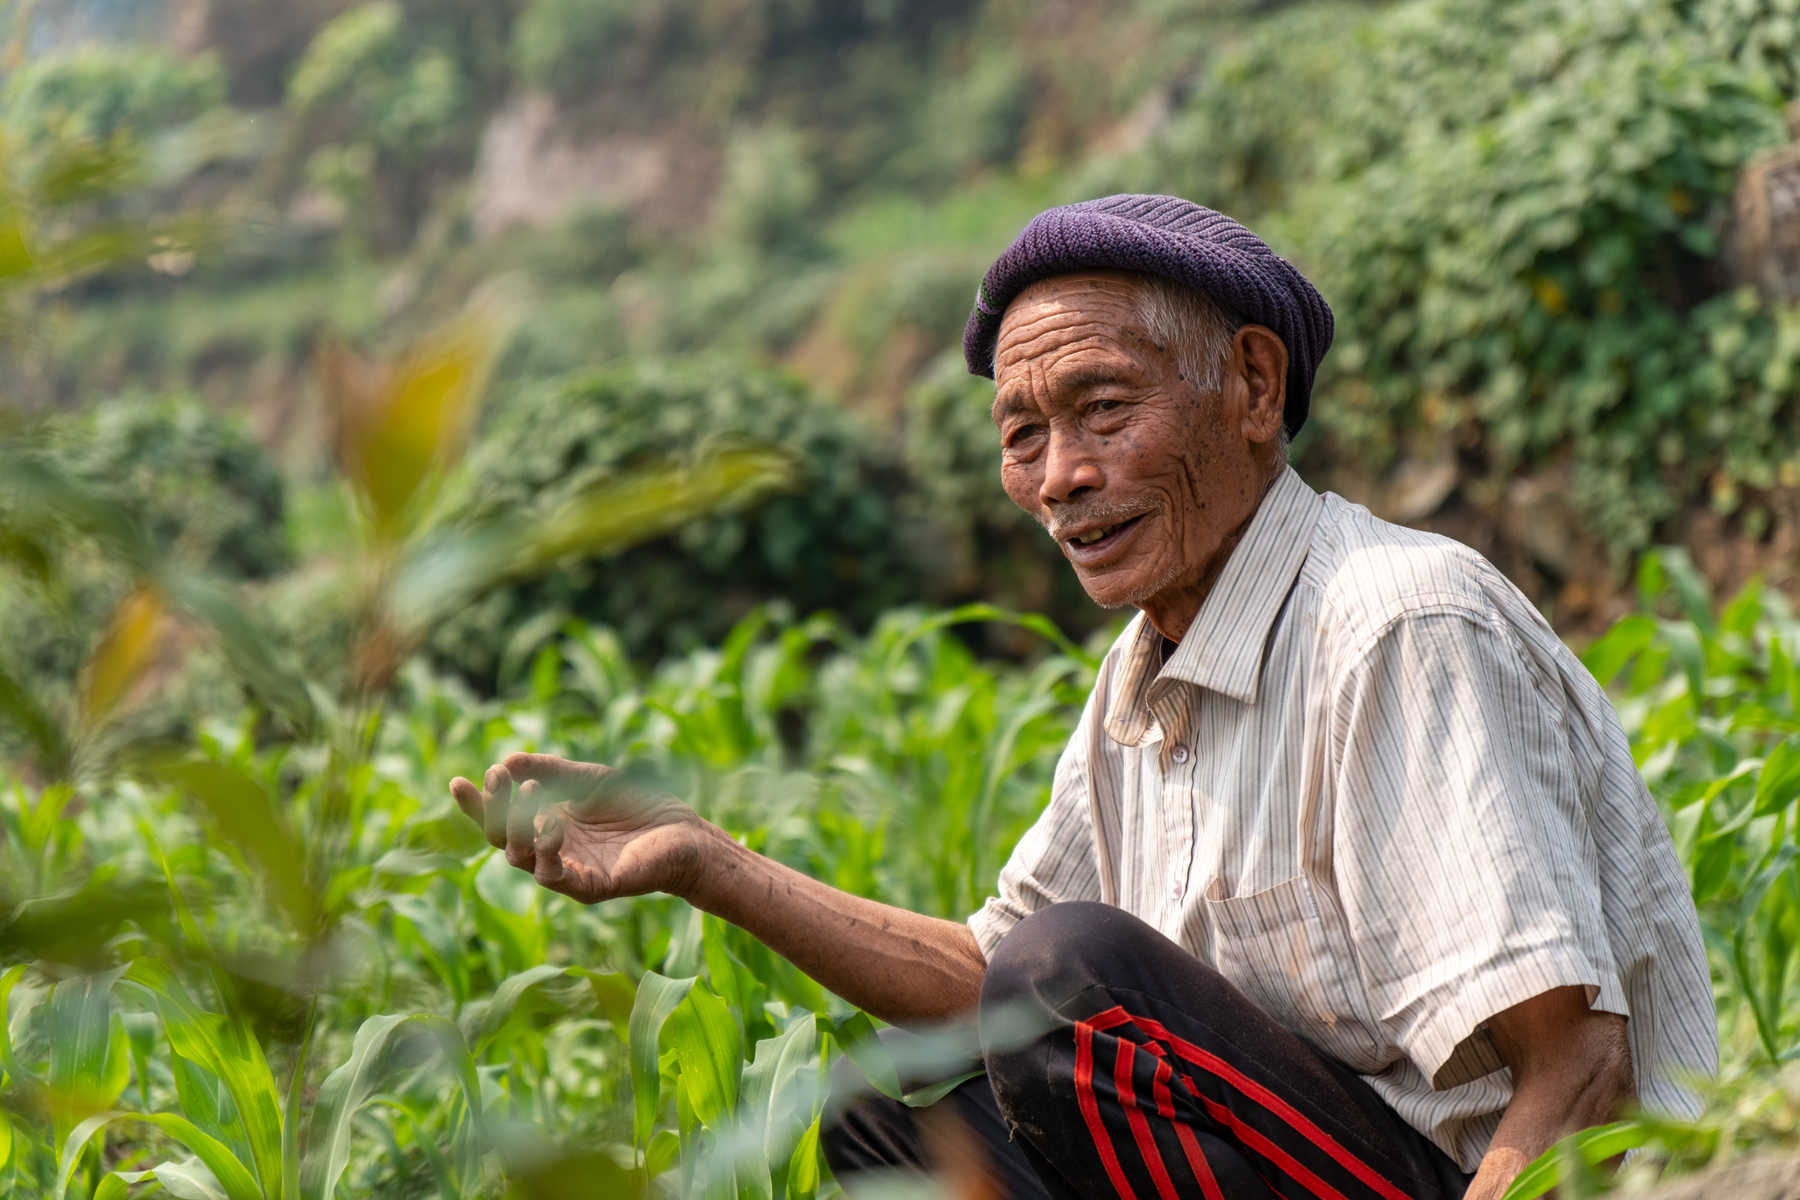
901 966
1580 1078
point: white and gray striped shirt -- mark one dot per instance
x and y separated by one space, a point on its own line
1374 790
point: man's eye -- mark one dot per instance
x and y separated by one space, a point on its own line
1023 433
1104 405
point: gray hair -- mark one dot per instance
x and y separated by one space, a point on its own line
1196 330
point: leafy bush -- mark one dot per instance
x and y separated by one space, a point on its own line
835 543
98 91
203 494
771 192
561 45
203 488
1515 214
379 103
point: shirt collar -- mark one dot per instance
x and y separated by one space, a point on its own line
1223 648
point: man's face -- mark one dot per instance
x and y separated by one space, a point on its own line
1143 480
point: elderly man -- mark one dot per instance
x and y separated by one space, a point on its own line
1347 886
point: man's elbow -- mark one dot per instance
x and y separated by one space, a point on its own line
1611 1086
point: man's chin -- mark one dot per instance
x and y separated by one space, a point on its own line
1111 593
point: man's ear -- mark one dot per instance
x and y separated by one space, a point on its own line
1261 359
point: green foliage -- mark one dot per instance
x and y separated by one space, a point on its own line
829 543
559 45
201 485
771 192
383 100
96 92
197 491
1514 212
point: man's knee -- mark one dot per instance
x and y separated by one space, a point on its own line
1060 950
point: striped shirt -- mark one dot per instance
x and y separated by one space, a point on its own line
1374 790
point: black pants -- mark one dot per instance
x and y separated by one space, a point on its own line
1156 1078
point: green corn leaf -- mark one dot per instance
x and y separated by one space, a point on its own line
614 996
484 1019
710 1049
6 1141
971 613
657 997
803 1166
290 1112
855 1035
228 1051
1594 1146
1778 783
1609 653
665 1148
82 1079
347 1089
8 982
778 1089
189 1180
234 1179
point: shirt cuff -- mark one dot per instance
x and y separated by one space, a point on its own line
1450 1043
991 922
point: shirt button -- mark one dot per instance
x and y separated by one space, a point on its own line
1179 754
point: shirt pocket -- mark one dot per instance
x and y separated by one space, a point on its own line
1274 946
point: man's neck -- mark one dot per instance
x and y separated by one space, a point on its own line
1174 613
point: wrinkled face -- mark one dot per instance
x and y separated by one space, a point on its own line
1142 479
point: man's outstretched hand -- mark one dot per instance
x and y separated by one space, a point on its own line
589 832
582 829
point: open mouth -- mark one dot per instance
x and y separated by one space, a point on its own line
1100 538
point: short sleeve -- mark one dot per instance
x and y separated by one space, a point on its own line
1056 858
1465 860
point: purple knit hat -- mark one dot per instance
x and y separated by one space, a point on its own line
1174 238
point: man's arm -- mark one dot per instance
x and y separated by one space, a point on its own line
582 832
1571 1069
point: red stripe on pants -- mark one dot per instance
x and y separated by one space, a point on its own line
1213 1065
1190 1146
1090 1109
1140 1125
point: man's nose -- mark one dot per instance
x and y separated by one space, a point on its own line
1069 469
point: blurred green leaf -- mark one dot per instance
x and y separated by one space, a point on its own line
1778 783
803 1166
657 997
350 1086
231 1174
399 424
247 815
88 1065
121 656
46 736
228 1052
188 1180
1594 1146
622 511
74 926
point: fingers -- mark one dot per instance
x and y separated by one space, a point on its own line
546 849
552 771
521 825
497 801
468 798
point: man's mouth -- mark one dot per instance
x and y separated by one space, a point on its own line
1095 540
